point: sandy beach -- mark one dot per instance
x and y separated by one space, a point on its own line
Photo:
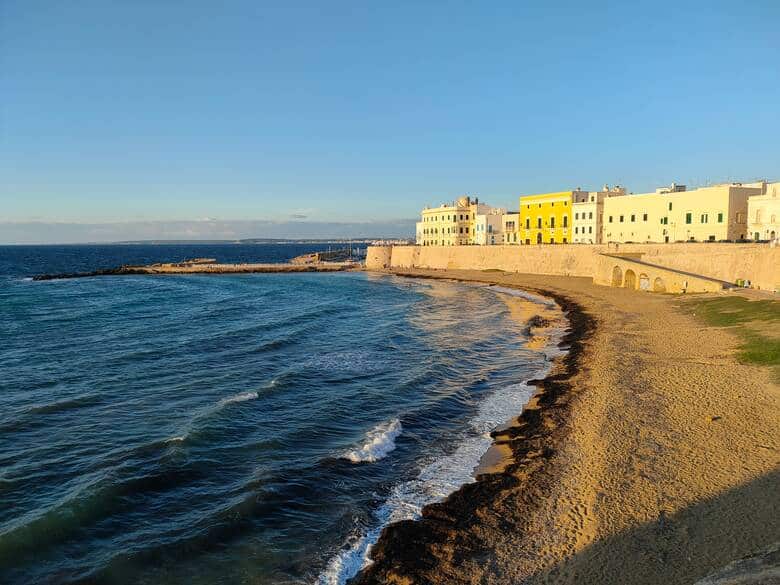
649 455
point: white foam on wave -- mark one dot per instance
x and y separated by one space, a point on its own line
436 480
516 292
175 439
378 442
242 397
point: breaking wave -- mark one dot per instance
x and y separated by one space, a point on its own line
435 481
378 442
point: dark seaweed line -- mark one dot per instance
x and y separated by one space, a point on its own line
405 550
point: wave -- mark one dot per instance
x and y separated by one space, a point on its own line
242 397
378 442
436 480
63 405
516 292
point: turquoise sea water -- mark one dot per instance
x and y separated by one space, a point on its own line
234 429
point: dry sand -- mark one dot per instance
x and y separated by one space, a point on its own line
651 456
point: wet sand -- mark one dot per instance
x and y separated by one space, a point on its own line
648 455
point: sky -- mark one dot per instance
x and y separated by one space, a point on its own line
156 117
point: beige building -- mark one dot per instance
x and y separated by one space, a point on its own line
764 213
489 227
450 224
511 228
674 214
588 210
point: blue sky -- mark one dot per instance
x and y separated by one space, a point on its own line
155 111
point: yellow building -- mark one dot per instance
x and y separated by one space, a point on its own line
451 224
546 218
675 214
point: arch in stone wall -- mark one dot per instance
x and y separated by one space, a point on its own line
644 282
630 279
659 285
617 276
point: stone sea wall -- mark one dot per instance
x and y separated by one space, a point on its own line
727 262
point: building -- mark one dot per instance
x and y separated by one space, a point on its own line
511 228
546 218
450 224
674 214
764 213
489 228
588 210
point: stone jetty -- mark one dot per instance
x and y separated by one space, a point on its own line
204 266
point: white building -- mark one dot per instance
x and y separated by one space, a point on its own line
588 211
511 228
489 228
764 213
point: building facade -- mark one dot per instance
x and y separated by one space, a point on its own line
451 224
764 213
546 218
489 227
511 228
675 214
588 210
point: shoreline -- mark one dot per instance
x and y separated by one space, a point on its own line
541 326
528 439
615 479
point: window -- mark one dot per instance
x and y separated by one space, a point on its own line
461 230
467 229
740 217
644 217
552 204
552 240
576 230
552 222
610 219
538 222
705 218
720 218
565 203
590 229
565 221
665 220
590 215
688 217
564 239
670 206
576 216
621 219
527 223
633 218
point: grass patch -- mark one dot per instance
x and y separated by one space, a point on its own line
753 321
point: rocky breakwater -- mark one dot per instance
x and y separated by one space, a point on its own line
201 267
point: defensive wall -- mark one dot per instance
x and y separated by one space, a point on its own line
691 263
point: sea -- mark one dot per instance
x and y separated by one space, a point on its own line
223 429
